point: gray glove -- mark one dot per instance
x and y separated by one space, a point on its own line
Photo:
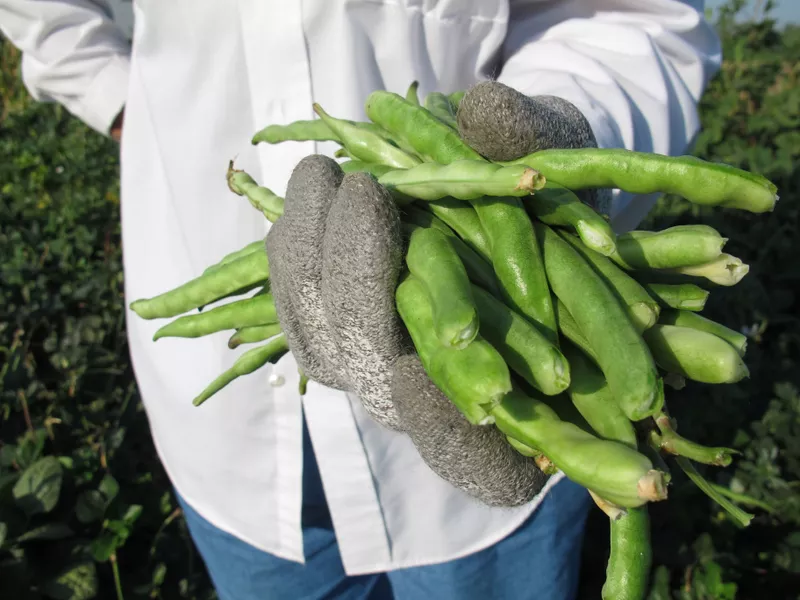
500 123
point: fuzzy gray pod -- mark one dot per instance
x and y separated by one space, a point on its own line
502 124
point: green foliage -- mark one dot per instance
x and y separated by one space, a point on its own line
83 498
85 507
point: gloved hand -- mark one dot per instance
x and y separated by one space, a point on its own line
501 124
335 257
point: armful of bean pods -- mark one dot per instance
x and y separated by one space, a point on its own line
458 275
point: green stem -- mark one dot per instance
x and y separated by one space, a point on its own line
669 441
740 517
742 498
117 581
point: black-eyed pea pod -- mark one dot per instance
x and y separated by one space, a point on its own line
544 464
257 246
414 125
258 310
631 557
725 270
683 296
526 350
440 107
620 351
253 334
683 318
261 198
592 397
571 330
666 439
464 179
311 130
412 93
674 247
227 279
480 272
629 563
366 145
432 259
247 363
558 206
463 219
297 131
517 261
694 354
699 181
455 99
642 309
612 470
475 378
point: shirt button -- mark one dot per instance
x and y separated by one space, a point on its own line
276 380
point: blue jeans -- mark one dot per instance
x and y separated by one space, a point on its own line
538 561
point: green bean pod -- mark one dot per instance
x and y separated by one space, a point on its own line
529 353
297 131
258 310
432 259
683 318
455 99
412 93
592 397
205 289
669 441
571 330
522 448
726 270
558 206
465 180
313 130
264 284
248 362
253 334
517 261
428 136
628 569
642 309
611 469
695 354
463 219
479 271
623 356
699 181
261 198
475 378
257 246
374 169
679 246
682 296
366 145
440 107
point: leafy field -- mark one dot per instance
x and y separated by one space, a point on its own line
86 509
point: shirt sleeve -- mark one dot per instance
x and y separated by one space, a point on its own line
635 68
72 54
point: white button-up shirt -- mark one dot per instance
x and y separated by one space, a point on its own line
197 79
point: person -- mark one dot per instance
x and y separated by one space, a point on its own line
291 496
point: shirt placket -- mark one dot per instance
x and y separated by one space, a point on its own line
280 85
